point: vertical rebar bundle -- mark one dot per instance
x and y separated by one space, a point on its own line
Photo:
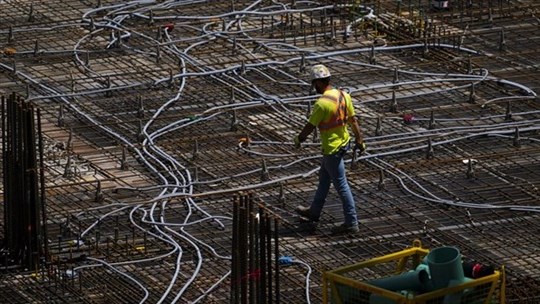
254 271
24 203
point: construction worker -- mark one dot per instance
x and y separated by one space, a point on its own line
331 113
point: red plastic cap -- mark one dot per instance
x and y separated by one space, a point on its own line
168 27
408 118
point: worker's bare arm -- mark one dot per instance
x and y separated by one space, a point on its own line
353 122
308 128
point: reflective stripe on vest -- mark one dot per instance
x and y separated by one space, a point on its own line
339 118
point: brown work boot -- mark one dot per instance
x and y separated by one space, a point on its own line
345 229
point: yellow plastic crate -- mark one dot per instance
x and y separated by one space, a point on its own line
341 286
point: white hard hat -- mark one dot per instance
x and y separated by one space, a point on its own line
319 71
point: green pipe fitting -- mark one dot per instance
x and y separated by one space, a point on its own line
445 266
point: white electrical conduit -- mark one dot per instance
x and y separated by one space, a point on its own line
144 289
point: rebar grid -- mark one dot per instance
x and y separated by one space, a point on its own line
142 123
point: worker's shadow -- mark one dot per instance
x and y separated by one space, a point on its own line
299 228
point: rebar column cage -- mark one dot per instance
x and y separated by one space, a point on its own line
24 214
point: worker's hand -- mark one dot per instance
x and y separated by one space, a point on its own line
361 147
297 142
